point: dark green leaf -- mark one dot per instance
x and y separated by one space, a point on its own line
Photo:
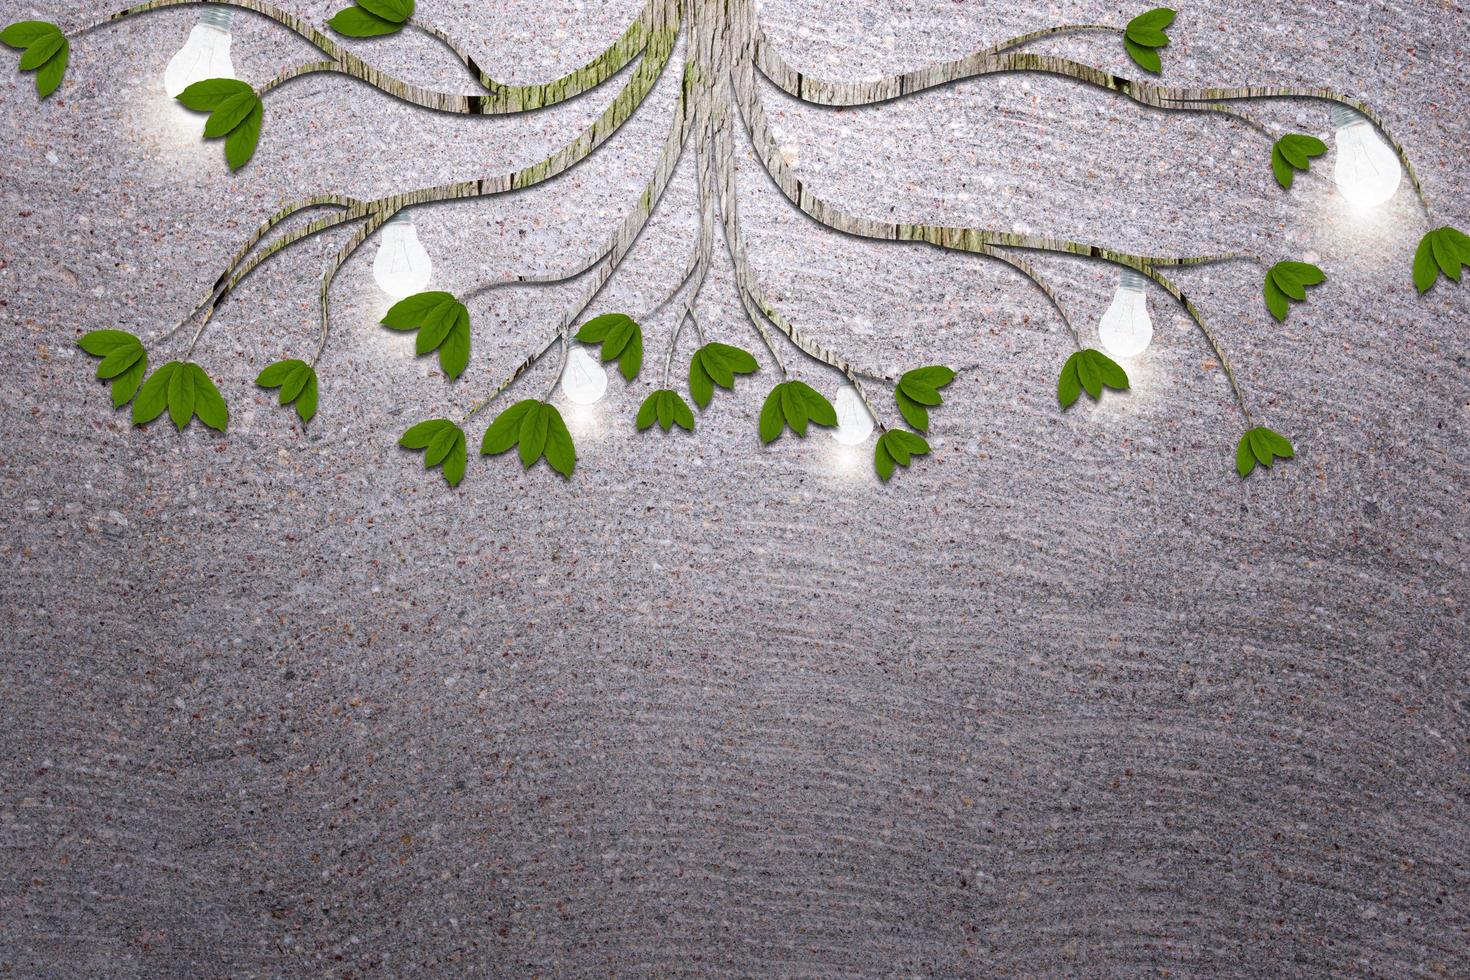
919 392
100 343
683 415
1426 274
1245 460
411 312
1088 374
1276 301
1109 371
125 385
533 434
306 401
419 436
454 353
505 431
396 11
561 454
734 359
1069 385
209 405
1146 58
440 445
882 461
648 411
1285 173
118 361
1260 448
771 420
454 462
1446 254
1158 19
718 371
41 51
25 33
794 408
124 362
241 141
443 324
597 329
298 383
357 22
897 446
49 75
818 408
1288 280
210 94
181 396
291 390
701 388
275 375
935 376
665 411
443 443
1293 289
231 113
630 362
913 413
153 396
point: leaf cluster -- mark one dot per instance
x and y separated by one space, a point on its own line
46 51
443 444
1442 250
793 404
1293 152
234 111
1260 445
1144 35
443 324
620 337
918 391
1091 371
897 446
667 408
537 428
124 362
297 381
1289 281
372 18
717 364
186 391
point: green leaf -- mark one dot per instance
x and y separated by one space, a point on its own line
1426 273
1289 280
1285 173
357 22
818 408
210 94
181 396
648 411
25 33
772 420
683 414
1091 371
561 454
298 383
665 412
1260 445
1069 385
152 398
935 376
921 393
701 387
1156 19
1446 255
505 431
231 113
209 405
897 446
241 142
443 444
443 324
533 434
1109 371
46 52
620 337
1088 374
1293 152
396 11
1146 58
736 360
794 404
913 413
40 52
124 362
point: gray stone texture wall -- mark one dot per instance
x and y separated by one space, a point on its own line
1067 698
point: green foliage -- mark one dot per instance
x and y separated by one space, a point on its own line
234 113
537 428
372 18
897 446
124 362
1091 371
186 391
620 338
443 324
794 404
46 51
1260 445
668 409
1289 281
717 364
1294 152
918 391
1145 35
443 444
297 381
1442 250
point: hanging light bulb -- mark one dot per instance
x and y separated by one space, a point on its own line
1367 171
584 381
205 55
854 422
1126 329
402 265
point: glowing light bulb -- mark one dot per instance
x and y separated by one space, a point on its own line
854 423
205 55
402 265
1367 171
584 381
1126 329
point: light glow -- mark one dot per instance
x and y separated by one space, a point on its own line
583 381
402 266
1125 330
854 422
1367 170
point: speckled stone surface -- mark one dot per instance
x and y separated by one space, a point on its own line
1069 698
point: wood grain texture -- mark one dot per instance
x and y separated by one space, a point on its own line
1067 698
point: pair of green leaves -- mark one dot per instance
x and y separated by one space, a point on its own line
46 51
372 18
186 391
443 444
1289 280
717 364
794 404
918 391
1260 445
1092 371
124 362
1442 250
297 381
234 113
668 409
443 324
897 446
537 428
1294 152
620 337
1144 35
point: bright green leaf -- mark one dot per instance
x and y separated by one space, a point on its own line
209 405
357 22
443 324
505 431
152 397
443 444
396 11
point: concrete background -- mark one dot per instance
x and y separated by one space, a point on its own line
1068 698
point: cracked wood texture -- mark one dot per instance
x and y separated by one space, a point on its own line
1066 698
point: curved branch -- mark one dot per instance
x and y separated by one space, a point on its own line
1029 271
658 18
363 234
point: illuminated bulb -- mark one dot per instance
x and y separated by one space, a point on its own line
1368 171
402 266
854 423
205 55
584 381
1126 329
